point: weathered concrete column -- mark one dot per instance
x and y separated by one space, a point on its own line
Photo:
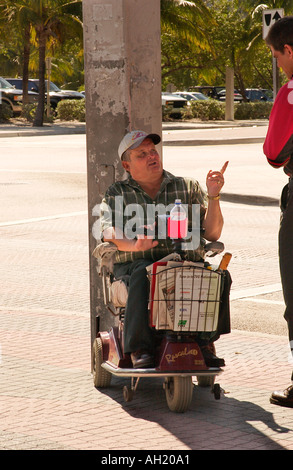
123 92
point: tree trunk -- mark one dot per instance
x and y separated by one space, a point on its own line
26 58
39 117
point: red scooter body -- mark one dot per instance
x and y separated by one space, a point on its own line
172 355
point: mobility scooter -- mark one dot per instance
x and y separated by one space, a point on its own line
184 299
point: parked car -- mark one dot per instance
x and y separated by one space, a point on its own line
259 94
191 96
73 94
13 97
209 91
173 103
56 94
237 96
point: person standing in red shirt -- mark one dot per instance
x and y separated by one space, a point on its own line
278 148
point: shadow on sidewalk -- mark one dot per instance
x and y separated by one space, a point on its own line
209 424
251 200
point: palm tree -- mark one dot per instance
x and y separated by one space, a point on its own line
184 24
19 30
256 11
48 19
187 19
256 6
236 41
52 19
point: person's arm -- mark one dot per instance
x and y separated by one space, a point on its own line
213 221
278 145
140 243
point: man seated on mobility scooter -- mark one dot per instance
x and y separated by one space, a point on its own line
149 184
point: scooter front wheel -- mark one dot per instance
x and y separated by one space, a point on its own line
178 392
127 394
101 377
205 380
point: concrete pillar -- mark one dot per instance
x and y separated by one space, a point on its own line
123 92
229 112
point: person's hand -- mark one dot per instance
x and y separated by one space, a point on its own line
215 181
145 242
145 238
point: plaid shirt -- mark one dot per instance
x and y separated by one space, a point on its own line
122 194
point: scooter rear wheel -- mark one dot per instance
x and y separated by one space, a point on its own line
101 377
178 392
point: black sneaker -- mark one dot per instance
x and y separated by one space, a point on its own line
210 358
141 360
284 398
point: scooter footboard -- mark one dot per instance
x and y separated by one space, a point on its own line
152 372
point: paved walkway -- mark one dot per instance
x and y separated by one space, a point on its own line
47 398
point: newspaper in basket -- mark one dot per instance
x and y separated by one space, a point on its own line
184 296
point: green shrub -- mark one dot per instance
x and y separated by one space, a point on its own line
211 110
254 110
205 110
168 115
29 110
5 112
71 110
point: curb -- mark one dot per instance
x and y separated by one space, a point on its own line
10 130
197 142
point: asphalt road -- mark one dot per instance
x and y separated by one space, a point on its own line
44 201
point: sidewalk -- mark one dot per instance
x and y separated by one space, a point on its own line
57 128
47 398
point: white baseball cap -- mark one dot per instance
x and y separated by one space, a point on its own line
134 139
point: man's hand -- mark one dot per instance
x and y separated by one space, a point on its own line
215 181
213 222
144 243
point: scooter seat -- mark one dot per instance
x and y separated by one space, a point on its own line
115 290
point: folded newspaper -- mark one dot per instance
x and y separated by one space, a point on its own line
184 296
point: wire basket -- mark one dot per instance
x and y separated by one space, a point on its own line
184 298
